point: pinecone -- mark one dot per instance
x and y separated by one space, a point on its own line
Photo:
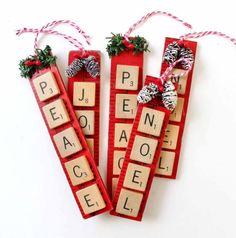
147 93
91 66
171 53
186 53
169 96
174 52
74 68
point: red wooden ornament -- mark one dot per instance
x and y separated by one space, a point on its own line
88 114
141 157
69 142
125 84
170 154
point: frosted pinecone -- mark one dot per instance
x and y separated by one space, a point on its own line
147 93
91 66
74 68
171 53
169 96
186 53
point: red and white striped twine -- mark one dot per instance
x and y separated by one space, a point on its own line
146 17
207 33
167 72
52 24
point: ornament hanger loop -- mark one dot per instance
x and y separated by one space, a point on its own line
207 33
52 24
149 15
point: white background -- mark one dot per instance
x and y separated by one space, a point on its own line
35 199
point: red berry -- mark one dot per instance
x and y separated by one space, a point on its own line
161 88
29 63
37 62
130 46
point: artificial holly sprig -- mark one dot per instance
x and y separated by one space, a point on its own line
41 60
117 43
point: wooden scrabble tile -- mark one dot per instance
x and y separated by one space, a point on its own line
86 121
122 134
79 170
166 163
143 149
136 177
90 142
90 199
127 77
151 121
67 142
129 203
114 185
56 113
176 115
171 137
46 86
182 81
118 160
84 94
126 105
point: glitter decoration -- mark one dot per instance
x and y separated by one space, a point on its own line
169 96
147 93
91 66
74 68
171 53
186 53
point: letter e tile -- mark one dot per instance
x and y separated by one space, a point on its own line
136 177
90 199
56 113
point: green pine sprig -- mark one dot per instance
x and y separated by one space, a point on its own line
41 60
140 44
117 44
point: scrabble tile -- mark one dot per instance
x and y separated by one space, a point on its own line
79 170
122 134
182 81
171 137
151 121
90 142
67 142
129 203
127 77
136 177
90 199
56 113
166 163
176 115
118 160
126 105
114 185
143 149
84 94
86 121
46 86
